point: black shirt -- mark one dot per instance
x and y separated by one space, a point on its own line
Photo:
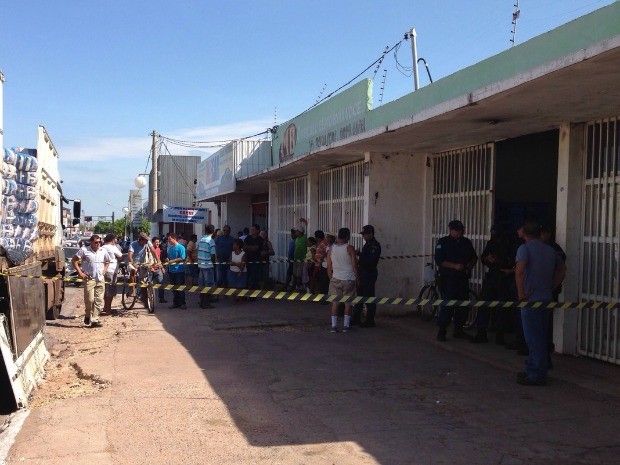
251 240
454 250
369 256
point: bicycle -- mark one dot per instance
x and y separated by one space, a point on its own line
430 291
143 287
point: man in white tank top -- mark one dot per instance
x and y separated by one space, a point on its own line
342 272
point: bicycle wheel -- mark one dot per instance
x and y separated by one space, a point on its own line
128 301
150 299
428 311
473 311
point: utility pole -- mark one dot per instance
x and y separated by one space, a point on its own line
515 17
414 52
155 184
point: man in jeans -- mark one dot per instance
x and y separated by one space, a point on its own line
94 266
206 275
538 271
223 249
176 270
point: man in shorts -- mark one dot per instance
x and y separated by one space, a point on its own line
343 276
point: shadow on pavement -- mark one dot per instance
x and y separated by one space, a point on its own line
286 380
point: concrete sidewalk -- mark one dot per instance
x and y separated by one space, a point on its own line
265 382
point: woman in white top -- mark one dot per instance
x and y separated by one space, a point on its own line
342 272
237 273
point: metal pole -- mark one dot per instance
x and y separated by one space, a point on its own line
414 52
155 187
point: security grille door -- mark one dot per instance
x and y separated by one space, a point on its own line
292 205
599 328
463 182
341 200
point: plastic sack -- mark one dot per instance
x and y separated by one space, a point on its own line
25 192
26 162
27 206
28 178
8 171
9 156
27 220
9 186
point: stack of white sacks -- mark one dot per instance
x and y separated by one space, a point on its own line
19 206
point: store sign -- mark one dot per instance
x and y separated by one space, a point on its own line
216 174
185 215
342 116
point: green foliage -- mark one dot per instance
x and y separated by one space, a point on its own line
105 227
144 227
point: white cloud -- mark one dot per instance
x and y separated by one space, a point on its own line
124 148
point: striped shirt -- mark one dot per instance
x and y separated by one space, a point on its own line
206 249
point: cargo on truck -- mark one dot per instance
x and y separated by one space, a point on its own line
32 261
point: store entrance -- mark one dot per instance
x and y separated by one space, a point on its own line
526 171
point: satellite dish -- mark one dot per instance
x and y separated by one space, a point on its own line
140 182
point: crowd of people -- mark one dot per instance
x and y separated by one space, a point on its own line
323 263
326 263
532 270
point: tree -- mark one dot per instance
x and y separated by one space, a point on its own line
144 227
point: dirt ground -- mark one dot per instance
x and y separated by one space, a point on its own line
67 339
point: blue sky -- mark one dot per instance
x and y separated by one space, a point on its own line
100 76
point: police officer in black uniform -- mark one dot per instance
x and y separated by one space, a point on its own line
455 256
368 260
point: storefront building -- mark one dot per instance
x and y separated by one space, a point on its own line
530 132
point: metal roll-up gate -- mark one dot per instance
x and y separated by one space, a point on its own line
292 205
599 329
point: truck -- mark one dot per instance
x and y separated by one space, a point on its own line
32 262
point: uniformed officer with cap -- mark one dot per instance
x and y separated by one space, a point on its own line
368 260
455 256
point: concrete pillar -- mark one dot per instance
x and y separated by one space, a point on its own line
272 212
367 164
237 212
313 201
568 230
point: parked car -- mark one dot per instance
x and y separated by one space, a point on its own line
71 271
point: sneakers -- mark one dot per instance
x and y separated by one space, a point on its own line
86 320
346 329
95 324
334 329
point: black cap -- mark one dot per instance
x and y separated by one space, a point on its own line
368 229
456 225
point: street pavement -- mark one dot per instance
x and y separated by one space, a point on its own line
265 382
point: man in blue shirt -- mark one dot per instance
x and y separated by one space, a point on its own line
223 250
538 271
206 276
176 270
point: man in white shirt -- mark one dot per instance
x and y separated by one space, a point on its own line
114 254
93 267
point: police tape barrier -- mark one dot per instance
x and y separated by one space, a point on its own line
276 260
308 297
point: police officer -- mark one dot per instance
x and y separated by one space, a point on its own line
455 256
367 265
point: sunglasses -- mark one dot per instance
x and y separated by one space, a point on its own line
95 242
